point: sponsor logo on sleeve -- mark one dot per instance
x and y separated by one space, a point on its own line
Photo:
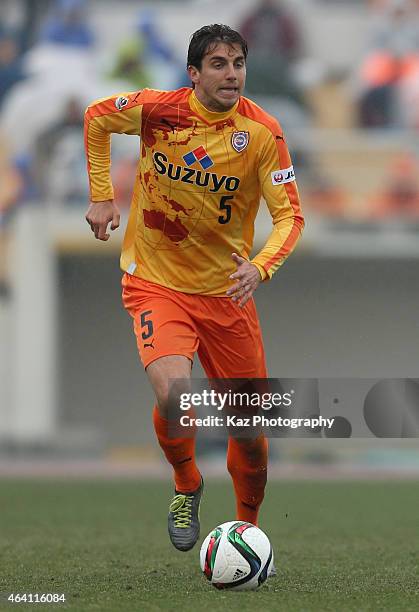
240 140
280 177
121 102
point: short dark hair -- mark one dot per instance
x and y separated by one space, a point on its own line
208 35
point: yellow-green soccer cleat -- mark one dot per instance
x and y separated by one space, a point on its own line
183 519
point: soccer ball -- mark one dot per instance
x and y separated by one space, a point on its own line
236 555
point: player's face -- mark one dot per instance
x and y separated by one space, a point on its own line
220 81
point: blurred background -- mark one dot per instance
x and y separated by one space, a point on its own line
342 77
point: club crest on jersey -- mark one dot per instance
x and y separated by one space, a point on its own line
121 102
198 155
280 177
240 140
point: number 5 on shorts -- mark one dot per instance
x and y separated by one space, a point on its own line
147 324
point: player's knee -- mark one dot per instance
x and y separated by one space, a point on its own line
164 407
169 398
170 378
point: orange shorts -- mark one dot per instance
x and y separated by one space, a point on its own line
227 338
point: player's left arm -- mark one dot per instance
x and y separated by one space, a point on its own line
278 186
279 189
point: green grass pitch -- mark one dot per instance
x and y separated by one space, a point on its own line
338 546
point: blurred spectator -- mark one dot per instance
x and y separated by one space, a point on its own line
33 16
399 198
55 73
272 29
11 69
154 43
129 65
324 197
165 70
68 124
58 167
11 185
67 25
274 38
66 181
23 166
146 58
408 96
10 193
393 58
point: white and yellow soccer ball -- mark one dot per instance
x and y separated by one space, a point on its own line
236 555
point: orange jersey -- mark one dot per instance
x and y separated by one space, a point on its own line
199 182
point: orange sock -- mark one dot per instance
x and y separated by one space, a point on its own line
247 464
180 453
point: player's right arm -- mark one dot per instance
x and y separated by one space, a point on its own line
119 114
99 215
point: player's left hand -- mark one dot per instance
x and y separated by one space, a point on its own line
248 279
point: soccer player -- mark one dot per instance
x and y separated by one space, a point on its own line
207 155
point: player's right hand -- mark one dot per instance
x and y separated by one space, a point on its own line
98 216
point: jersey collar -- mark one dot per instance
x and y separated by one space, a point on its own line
209 116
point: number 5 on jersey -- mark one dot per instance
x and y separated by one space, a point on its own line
226 208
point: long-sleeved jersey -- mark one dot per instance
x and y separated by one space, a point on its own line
199 181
